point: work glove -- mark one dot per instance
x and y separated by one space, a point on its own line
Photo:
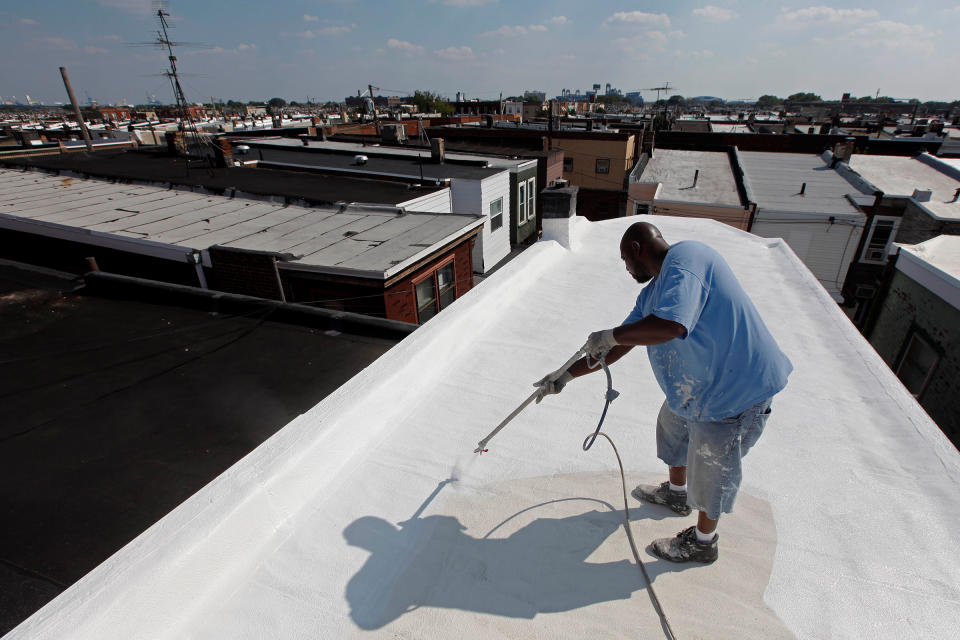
552 383
599 343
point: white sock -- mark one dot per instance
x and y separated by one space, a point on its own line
705 537
678 487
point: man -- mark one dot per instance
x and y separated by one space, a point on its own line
715 361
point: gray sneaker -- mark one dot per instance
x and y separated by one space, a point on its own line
684 547
676 500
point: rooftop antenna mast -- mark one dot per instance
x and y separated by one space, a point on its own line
187 125
665 88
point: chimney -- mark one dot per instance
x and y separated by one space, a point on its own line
489 120
436 150
559 207
922 195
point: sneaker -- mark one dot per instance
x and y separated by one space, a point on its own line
676 500
684 547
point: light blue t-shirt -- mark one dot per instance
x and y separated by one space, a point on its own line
727 361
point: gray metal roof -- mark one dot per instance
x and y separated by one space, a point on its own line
370 241
675 170
775 181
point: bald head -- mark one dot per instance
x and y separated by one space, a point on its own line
643 249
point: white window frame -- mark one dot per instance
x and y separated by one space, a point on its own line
528 212
499 203
867 250
521 202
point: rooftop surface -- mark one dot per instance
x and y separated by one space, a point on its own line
900 176
775 181
124 410
935 264
398 152
369 513
395 165
151 166
675 170
730 128
368 241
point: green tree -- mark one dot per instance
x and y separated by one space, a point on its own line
804 97
429 102
676 100
768 100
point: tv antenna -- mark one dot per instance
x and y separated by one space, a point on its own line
665 88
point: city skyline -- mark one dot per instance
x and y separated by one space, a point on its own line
329 49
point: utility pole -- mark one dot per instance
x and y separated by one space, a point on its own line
375 121
76 109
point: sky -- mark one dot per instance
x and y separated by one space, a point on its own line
328 49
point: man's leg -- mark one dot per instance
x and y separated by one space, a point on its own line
715 453
673 439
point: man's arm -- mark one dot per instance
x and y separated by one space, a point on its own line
648 330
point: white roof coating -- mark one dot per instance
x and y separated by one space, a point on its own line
901 175
935 264
675 170
776 179
730 128
348 521
366 240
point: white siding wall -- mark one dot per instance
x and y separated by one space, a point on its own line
474 196
439 202
827 249
497 246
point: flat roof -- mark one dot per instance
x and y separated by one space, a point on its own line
393 165
934 263
366 241
775 181
478 159
149 166
370 513
730 128
901 175
675 170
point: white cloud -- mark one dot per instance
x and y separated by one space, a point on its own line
240 48
309 18
705 53
464 3
676 34
28 21
93 50
513 31
893 36
109 38
714 13
403 46
638 18
305 34
455 53
59 43
802 17
658 39
336 30
560 20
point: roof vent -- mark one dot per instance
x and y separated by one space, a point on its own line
360 159
922 195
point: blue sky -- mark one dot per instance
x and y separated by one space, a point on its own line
328 49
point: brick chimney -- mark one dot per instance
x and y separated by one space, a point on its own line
436 150
560 216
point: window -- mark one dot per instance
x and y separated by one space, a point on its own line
496 214
567 164
603 165
522 202
882 233
435 292
641 209
531 199
917 364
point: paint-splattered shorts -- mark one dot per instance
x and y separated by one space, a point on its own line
711 451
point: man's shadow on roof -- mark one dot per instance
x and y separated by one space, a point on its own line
540 568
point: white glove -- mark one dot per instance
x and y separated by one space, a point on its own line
599 343
552 383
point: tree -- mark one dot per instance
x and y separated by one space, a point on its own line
768 100
804 97
276 104
429 102
677 100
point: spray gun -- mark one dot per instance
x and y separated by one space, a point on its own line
611 395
